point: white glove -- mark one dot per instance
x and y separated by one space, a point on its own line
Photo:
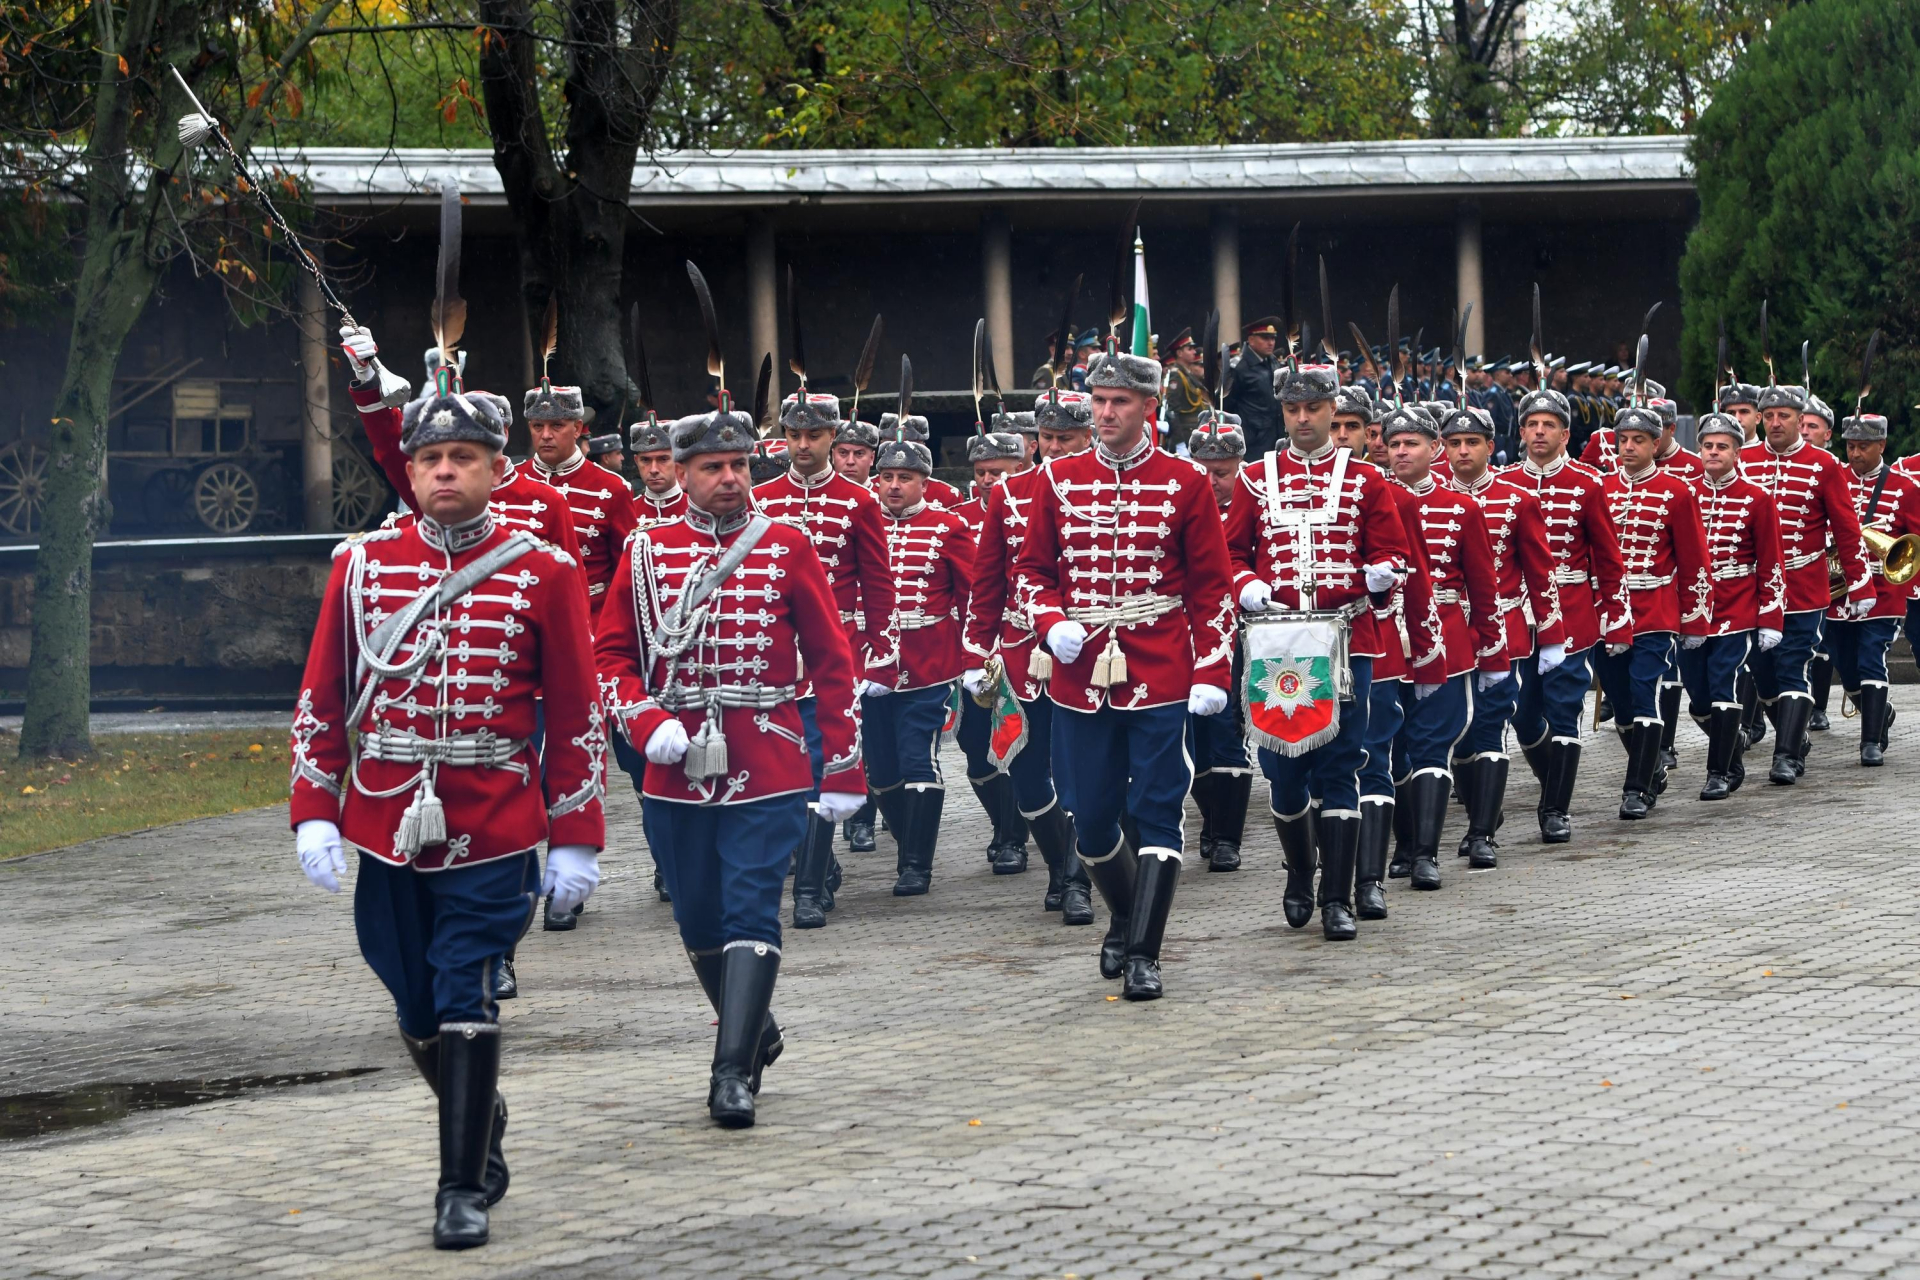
1768 638
1206 700
873 689
1066 640
1485 680
1615 650
1421 692
1551 656
1255 597
838 806
317 841
1382 578
974 680
1861 608
668 743
1692 642
361 349
572 871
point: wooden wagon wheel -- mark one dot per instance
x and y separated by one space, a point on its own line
226 498
23 487
358 492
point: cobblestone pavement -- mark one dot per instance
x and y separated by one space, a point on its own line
1680 1047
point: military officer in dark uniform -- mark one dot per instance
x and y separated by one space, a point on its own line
1250 386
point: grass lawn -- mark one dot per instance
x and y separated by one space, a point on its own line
136 780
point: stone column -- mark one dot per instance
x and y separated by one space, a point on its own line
316 428
763 311
1226 271
1466 270
996 267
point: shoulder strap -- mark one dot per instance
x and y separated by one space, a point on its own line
709 582
1879 487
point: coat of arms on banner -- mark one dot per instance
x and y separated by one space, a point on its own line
1295 677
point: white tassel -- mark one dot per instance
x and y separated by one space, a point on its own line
407 839
433 816
1040 664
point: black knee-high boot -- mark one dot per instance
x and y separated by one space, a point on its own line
469 1084
1820 679
747 974
810 873
1296 842
707 967
426 1060
1113 876
1338 835
1370 863
1155 874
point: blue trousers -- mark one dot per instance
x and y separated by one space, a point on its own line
816 753
900 737
1032 769
1632 680
1217 743
976 727
1710 671
435 938
1550 705
1859 650
1330 773
1783 669
725 865
1492 712
1433 724
1384 718
1133 761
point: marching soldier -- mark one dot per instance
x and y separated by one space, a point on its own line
1670 589
1124 574
441 793
1474 642
598 500
707 629
930 563
1888 503
998 626
1223 776
1741 402
1593 604
1353 409
1749 598
1527 601
855 445
1815 502
1250 389
660 500
914 428
1816 428
843 521
1314 529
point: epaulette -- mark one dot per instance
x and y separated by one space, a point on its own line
381 534
557 553
1591 472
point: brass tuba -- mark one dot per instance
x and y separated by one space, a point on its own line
1899 556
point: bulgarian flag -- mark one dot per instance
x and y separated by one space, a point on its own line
1296 675
1142 324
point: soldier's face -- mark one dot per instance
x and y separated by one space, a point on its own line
1469 455
1221 474
656 470
854 461
1815 430
1636 449
1544 437
1349 431
1376 447
1747 416
1865 455
452 481
1187 354
1720 454
899 488
1410 455
991 472
1262 344
717 483
555 442
810 450
1120 415
1309 423
1782 426
1061 444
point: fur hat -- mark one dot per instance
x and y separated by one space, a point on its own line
1353 401
1820 409
1638 418
1738 393
1306 383
1407 418
715 432
1546 400
992 446
1868 426
816 413
1719 424
601 446
914 428
548 403
768 459
1669 411
433 362
1216 436
854 431
1025 424
651 436
1124 372
445 414
1467 420
904 455
1062 411
1782 395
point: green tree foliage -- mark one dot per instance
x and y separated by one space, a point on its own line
1808 164
1639 66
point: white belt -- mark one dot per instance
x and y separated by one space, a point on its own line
1724 572
1446 595
1130 612
849 617
698 698
597 589
1646 581
1503 604
914 620
1570 577
461 750
1802 561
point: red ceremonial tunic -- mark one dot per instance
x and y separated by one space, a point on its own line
1460 558
601 505
1390 616
519 500
1130 548
1528 598
650 509
995 622
1898 513
458 713
1664 549
1809 489
1586 551
1287 526
1603 455
1743 549
930 553
843 520
742 652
